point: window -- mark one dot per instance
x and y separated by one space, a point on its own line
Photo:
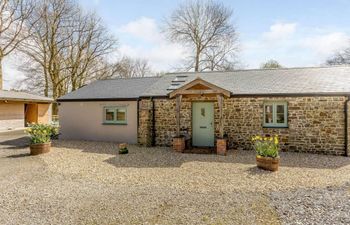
275 114
114 115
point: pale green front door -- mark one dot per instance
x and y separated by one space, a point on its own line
203 124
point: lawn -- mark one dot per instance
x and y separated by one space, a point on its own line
88 183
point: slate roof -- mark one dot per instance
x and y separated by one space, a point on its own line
112 89
289 81
312 80
22 96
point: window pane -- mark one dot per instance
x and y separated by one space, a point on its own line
280 114
203 112
268 114
280 108
109 114
280 117
268 108
121 115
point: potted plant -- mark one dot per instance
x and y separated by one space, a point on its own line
267 152
40 138
179 143
123 148
221 145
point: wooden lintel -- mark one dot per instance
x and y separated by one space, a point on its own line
198 92
178 107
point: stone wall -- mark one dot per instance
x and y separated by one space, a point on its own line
315 124
145 128
348 128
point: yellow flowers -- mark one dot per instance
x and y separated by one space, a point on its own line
257 138
270 139
266 146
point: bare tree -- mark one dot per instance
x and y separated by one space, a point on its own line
205 27
48 43
13 31
340 58
89 43
67 45
221 57
128 67
271 64
66 49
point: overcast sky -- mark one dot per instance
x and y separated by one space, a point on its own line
294 32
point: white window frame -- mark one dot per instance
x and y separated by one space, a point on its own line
115 110
274 115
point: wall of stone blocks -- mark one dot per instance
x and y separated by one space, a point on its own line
315 124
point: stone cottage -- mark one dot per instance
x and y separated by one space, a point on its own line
306 107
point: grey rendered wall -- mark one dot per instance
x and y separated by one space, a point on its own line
84 121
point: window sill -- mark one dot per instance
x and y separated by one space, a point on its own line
276 127
114 124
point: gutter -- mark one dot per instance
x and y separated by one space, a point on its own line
256 95
138 114
153 124
346 109
97 99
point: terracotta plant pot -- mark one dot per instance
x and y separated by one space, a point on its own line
267 163
37 149
179 144
123 148
221 146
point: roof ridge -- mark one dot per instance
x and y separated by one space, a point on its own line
128 78
24 92
258 69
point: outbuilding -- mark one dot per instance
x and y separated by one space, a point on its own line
18 109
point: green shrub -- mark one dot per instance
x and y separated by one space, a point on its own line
41 133
266 146
123 151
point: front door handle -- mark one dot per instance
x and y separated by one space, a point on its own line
203 127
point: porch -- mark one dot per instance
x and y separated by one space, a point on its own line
207 124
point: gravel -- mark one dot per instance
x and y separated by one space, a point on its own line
328 205
82 182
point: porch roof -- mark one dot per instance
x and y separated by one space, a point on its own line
22 96
199 86
298 81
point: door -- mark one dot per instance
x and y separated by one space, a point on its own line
30 114
203 124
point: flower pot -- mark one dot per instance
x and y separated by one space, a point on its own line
123 148
179 144
221 146
37 149
123 151
267 163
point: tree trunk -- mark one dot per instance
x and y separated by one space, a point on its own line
196 66
1 79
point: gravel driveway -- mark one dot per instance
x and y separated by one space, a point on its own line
87 183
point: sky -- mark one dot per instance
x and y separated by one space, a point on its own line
294 32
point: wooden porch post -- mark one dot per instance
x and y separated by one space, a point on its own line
221 118
178 106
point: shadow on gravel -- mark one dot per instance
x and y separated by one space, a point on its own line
87 146
257 171
16 143
299 160
19 155
142 157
